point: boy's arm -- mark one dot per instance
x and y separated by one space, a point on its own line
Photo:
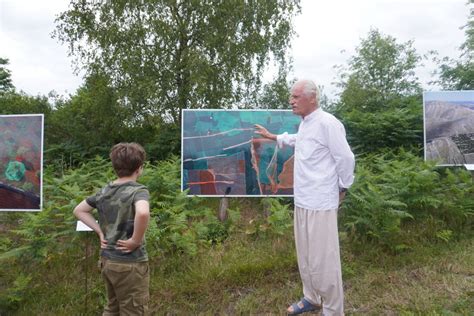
142 217
83 212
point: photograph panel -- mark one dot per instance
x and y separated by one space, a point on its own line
449 127
21 162
222 155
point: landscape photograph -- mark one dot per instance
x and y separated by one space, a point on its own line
449 127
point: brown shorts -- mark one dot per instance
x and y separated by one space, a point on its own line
127 285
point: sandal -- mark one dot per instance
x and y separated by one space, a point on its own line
307 307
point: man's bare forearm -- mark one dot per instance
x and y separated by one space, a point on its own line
260 130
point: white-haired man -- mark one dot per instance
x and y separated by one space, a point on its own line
323 171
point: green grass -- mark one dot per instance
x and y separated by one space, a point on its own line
427 280
261 277
257 275
226 278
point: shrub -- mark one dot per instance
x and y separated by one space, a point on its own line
394 188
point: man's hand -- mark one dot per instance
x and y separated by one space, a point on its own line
260 130
128 245
342 195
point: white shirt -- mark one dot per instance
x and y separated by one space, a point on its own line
324 161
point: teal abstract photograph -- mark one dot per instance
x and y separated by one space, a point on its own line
21 145
222 156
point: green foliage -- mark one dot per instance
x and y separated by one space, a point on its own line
276 220
380 103
166 56
373 211
21 103
13 296
181 223
280 219
5 243
275 95
38 239
445 235
458 73
41 234
92 120
402 126
65 155
393 189
161 141
5 77
381 71
90 123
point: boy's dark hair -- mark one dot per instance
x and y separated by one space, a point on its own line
127 158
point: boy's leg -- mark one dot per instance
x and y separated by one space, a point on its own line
112 306
130 282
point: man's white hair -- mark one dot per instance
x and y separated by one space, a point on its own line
309 88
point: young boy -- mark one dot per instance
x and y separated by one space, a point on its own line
124 213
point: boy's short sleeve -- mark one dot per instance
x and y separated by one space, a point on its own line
142 195
92 201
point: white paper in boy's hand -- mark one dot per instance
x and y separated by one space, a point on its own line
81 227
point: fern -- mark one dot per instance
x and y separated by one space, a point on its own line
392 188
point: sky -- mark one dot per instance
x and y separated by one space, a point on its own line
453 96
328 34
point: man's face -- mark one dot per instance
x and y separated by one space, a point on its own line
301 104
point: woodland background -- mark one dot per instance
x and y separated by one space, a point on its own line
406 226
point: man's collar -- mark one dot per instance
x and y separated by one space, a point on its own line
312 115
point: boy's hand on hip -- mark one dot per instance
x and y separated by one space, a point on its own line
128 245
103 241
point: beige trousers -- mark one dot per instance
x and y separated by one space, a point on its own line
127 287
319 263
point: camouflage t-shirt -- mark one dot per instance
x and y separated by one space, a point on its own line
116 206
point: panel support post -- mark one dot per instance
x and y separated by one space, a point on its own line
223 205
267 205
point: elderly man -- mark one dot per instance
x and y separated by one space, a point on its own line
323 171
